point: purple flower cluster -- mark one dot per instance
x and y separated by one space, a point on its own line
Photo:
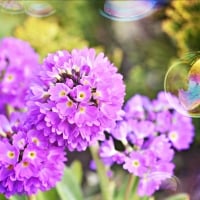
150 132
18 62
76 97
28 162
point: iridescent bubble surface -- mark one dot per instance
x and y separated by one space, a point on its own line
168 182
127 10
39 9
172 184
183 80
12 6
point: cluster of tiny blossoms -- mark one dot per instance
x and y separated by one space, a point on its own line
18 63
150 132
28 162
76 97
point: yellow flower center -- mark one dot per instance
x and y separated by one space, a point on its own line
69 103
82 109
81 95
10 77
32 154
25 164
136 163
62 93
173 136
35 140
11 154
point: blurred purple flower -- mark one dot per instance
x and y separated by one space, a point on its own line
18 64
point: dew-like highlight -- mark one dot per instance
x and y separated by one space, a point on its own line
183 81
127 10
40 9
12 6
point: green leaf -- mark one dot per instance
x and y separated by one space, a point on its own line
77 170
69 188
16 197
49 195
2 197
181 196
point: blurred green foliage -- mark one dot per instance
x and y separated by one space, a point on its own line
150 63
182 24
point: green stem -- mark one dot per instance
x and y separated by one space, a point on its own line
107 187
32 197
131 181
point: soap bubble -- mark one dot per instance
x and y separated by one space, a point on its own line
127 10
172 184
183 81
12 6
168 181
32 8
40 9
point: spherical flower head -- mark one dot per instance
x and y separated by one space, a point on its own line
18 63
77 96
28 162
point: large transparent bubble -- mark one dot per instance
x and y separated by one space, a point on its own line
39 9
127 10
183 81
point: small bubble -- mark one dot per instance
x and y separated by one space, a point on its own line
40 9
168 181
12 6
172 183
183 81
127 10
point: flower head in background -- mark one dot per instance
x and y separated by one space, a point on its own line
77 96
28 162
18 63
150 131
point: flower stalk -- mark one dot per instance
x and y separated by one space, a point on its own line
131 182
107 187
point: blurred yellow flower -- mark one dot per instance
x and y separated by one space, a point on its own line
45 35
182 24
